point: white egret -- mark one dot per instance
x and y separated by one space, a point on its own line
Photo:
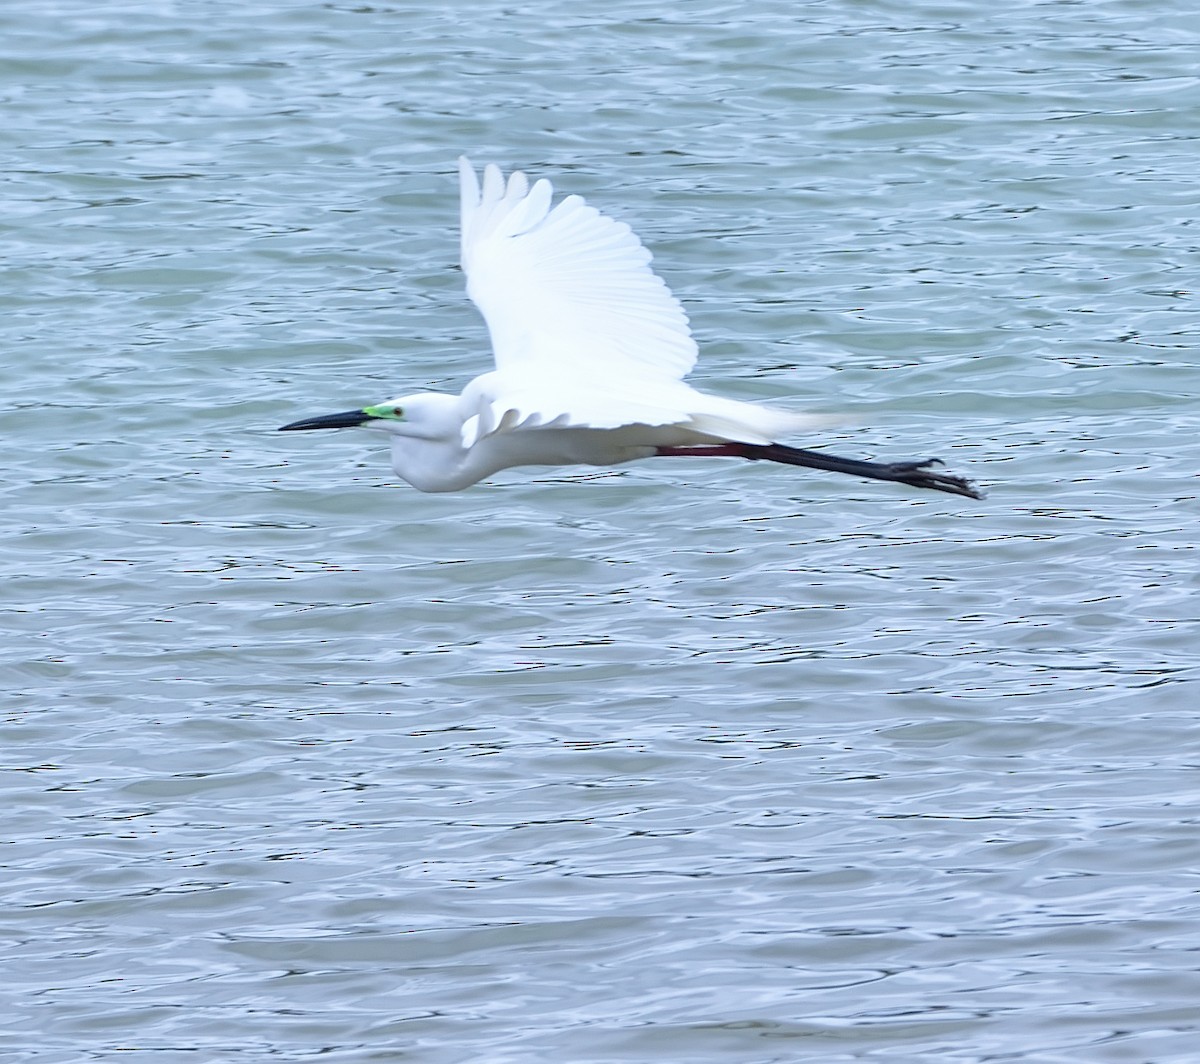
590 351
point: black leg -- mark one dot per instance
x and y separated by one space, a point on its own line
918 474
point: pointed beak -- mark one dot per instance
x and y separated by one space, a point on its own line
345 420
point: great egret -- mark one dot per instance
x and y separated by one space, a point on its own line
590 349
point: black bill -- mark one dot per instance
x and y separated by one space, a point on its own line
345 420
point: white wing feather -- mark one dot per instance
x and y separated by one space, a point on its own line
567 293
584 334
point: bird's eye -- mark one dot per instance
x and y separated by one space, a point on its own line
398 411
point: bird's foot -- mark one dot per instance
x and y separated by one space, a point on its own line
920 473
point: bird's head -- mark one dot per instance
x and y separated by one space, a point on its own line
420 415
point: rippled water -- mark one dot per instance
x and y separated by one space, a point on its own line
687 761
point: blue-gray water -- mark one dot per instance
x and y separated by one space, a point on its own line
690 761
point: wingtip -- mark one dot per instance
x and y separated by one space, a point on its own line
468 196
493 182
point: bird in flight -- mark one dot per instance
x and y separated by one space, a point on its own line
590 353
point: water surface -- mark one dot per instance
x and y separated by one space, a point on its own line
684 761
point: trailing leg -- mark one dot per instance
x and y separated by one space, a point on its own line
919 473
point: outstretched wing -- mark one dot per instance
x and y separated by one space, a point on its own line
568 294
